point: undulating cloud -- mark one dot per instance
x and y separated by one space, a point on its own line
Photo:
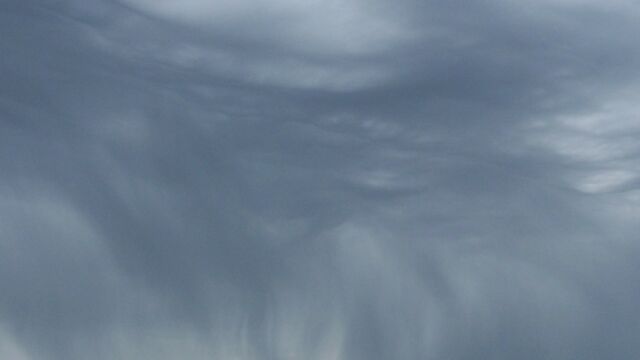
253 179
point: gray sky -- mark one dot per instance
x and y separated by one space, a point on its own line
330 180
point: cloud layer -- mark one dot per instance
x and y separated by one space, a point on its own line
319 180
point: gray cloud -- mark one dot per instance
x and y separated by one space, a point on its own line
307 180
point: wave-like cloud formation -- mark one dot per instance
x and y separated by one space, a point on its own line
319 180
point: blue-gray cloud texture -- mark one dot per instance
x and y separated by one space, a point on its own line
216 179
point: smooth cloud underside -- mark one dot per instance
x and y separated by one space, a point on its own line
319 179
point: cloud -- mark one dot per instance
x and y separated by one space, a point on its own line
341 27
318 180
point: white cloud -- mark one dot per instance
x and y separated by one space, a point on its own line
335 46
603 181
335 26
600 145
9 347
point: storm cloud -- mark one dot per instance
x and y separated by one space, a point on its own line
304 179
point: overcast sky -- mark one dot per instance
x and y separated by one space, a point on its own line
319 180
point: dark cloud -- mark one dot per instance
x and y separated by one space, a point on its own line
301 180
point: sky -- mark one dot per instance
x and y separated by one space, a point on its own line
319 180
